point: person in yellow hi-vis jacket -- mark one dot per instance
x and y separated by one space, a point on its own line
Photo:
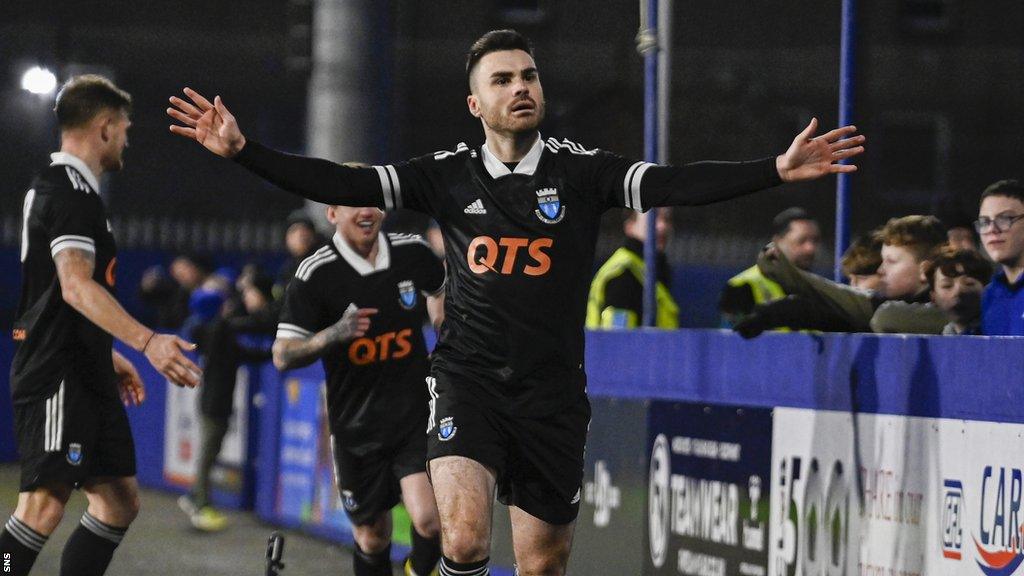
617 292
796 234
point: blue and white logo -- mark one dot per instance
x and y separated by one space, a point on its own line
447 429
407 294
74 454
952 519
549 207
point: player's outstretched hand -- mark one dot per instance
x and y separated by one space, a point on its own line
353 324
208 123
129 383
810 157
165 353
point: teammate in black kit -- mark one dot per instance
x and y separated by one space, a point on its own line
376 398
520 217
67 382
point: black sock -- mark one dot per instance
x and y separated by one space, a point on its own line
425 552
378 564
19 546
90 548
452 568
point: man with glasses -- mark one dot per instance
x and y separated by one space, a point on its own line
1002 305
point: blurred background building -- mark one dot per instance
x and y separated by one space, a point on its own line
939 96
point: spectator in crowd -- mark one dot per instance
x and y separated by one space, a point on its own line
226 342
300 240
861 260
169 295
617 291
795 233
960 234
820 304
957 278
1002 234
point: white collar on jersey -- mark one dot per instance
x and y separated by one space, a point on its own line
362 265
528 165
67 159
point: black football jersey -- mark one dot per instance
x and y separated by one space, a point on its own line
62 210
376 388
519 244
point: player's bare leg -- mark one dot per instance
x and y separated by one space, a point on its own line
373 546
541 549
113 506
113 501
374 537
418 496
25 533
464 491
43 508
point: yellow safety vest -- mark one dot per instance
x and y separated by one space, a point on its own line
600 316
764 290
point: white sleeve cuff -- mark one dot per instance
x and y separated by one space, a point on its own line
70 241
292 331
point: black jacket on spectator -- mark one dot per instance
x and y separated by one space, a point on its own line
169 300
224 352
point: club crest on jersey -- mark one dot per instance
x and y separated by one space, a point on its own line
447 429
549 207
407 294
74 454
348 500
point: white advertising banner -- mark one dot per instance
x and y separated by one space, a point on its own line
183 434
880 495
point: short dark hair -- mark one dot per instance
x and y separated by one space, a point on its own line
1009 188
864 255
954 263
782 220
495 41
83 97
919 234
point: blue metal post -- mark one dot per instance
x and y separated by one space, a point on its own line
848 47
650 153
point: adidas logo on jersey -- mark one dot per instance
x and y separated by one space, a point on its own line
477 207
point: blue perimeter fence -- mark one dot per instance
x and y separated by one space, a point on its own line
696 436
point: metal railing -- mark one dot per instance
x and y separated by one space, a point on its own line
149 233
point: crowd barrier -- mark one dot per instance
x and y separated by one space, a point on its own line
707 455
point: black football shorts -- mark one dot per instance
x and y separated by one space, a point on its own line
73 436
538 460
368 482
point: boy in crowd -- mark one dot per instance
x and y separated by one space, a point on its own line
1002 206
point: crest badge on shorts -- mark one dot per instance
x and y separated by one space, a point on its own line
407 294
549 207
447 429
74 454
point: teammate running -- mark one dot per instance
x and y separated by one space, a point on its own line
520 219
67 383
376 400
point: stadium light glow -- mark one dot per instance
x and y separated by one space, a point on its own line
39 81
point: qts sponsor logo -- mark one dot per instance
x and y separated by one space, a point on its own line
999 534
111 273
380 348
509 256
